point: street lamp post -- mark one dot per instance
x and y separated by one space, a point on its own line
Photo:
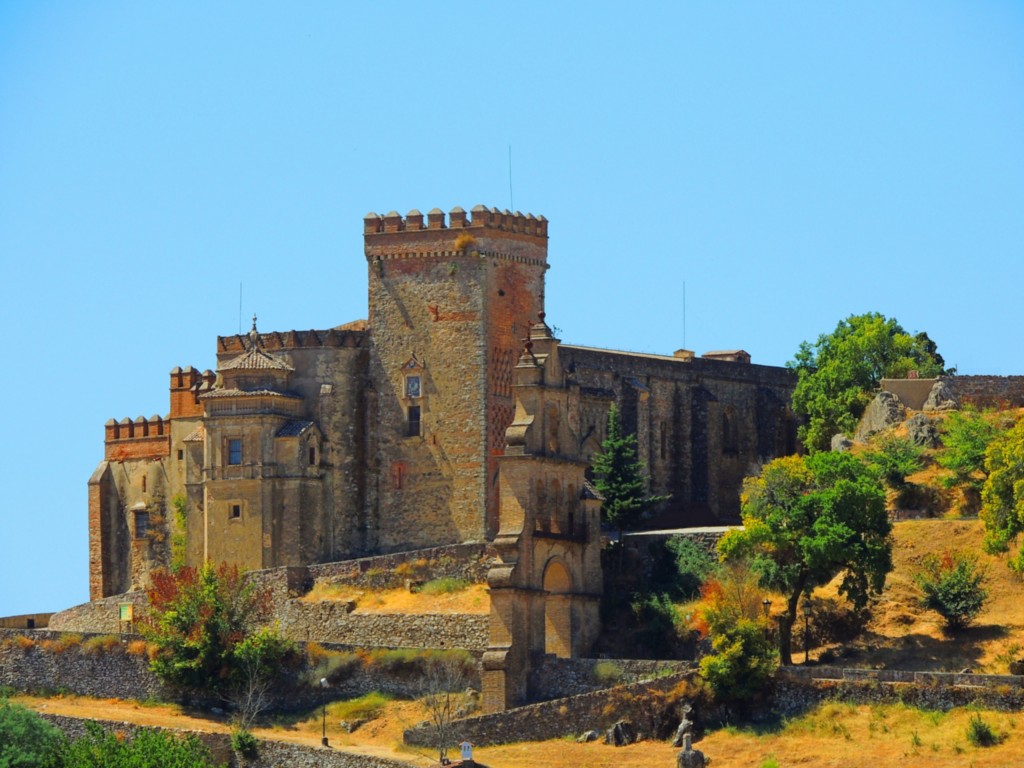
767 605
323 698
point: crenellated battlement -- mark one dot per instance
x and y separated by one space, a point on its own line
187 384
481 217
277 340
138 438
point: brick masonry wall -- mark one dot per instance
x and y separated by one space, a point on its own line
649 706
271 754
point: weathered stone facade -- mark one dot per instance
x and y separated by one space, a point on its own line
428 425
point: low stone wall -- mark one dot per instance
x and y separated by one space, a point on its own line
798 688
99 616
47 661
271 754
650 706
458 561
331 622
26 621
988 391
980 391
559 678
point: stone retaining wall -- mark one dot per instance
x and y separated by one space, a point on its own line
271 754
100 616
26 664
559 678
796 688
37 661
650 706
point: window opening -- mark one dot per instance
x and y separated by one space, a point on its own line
141 524
412 386
312 455
234 451
414 421
236 511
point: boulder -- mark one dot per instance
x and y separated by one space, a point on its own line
841 442
922 431
586 736
941 398
620 734
883 412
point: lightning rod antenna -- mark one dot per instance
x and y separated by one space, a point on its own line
511 204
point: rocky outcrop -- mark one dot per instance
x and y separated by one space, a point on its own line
941 398
883 412
841 442
922 431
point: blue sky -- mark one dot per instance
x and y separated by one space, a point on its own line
790 163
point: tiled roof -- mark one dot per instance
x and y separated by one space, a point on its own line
294 428
255 359
590 492
196 435
218 393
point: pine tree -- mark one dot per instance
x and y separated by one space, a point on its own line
620 478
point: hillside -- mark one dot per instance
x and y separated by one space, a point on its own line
901 634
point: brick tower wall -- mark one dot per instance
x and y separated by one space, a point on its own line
456 295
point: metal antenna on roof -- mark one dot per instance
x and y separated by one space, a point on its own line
239 307
684 314
511 204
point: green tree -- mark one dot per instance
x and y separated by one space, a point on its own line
205 624
893 458
742 659
27 740
807 520
620 478
836 375
146 749
1002 497
954 586
966 436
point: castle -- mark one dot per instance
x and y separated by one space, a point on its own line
451 414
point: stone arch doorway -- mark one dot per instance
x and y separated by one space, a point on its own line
557 609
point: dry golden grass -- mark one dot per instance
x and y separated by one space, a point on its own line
474 599
851 736
903 635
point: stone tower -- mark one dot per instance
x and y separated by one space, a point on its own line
450 303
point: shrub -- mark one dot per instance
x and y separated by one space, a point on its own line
101 644
28 740
607 673
893 459
444 585
953 586
365 707
244 743
659 623
24 642
148 749
981 734
693 565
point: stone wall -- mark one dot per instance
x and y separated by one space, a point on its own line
44 660
271 754
559 678
330 622
99 616
460 561
979 391
798 688
650 706
103 666
26 621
